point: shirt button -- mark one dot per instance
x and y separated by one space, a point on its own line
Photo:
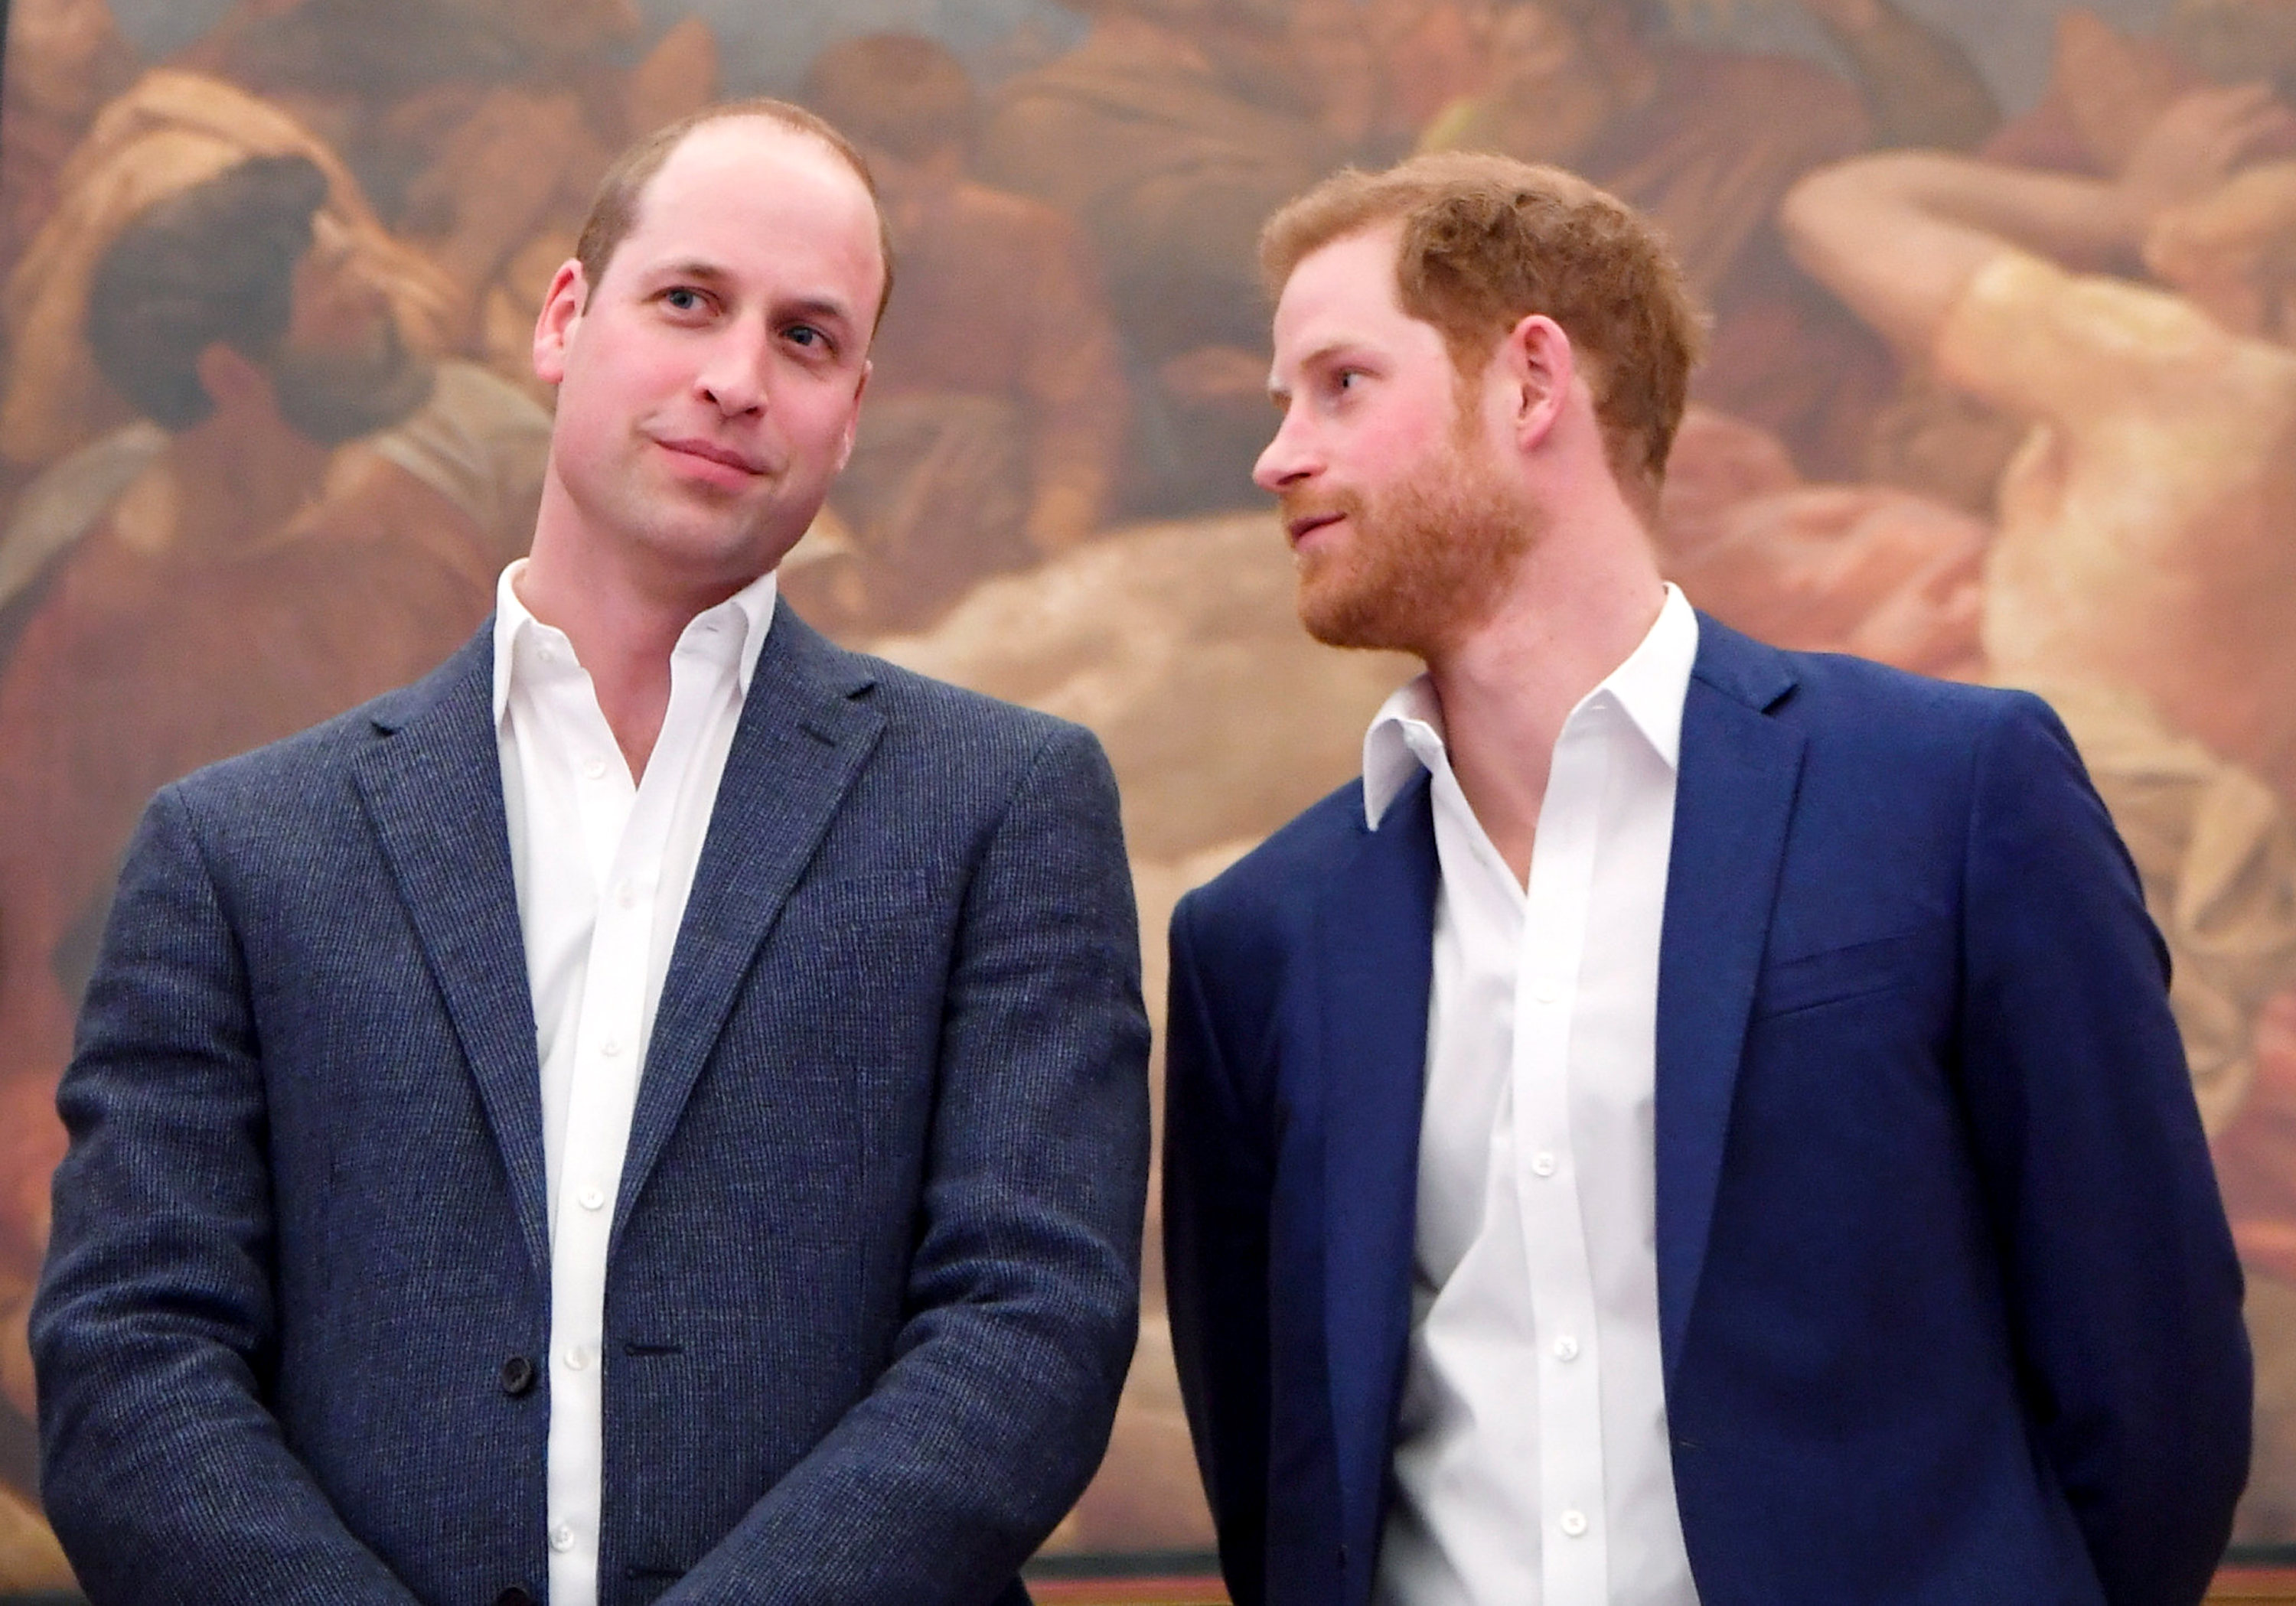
1542 1164
1546 992
549 654
594 1199
1574 1523
1566 1349
594 768
628 895
575 1359
562 1537
611 1047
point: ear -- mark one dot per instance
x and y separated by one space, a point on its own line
562 310
1538 369
234 383
853 419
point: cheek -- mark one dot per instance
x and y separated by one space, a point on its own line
625 367
816 413
1390 459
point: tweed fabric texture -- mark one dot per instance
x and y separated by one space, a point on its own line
874 1277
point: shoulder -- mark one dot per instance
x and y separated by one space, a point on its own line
942 710
2021 314
309 772
1836 694
1833 696
959 743
1263 902
1881 750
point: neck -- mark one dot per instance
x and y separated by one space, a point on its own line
1581 602
237 478
624 616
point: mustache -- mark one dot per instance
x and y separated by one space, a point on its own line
1293 505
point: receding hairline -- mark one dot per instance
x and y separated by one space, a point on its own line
618 205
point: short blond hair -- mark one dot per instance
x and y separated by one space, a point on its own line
1486 241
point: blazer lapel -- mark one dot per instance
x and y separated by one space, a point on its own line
1376 935
804 732
433 792
1734 798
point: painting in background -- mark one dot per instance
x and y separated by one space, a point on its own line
252 472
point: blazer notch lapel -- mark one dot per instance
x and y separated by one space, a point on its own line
433 790
806 733
1375 938
1740 770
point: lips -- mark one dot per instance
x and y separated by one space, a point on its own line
710 451
1300 528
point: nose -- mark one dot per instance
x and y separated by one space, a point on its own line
1288 458
733 375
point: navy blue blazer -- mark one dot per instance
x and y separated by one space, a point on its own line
1948 1305
872 1279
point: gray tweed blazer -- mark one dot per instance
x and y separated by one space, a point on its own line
874 1273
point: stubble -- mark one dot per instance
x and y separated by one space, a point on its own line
1425 564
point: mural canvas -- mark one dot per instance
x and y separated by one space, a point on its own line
250 478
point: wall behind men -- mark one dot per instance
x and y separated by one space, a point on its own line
1078 307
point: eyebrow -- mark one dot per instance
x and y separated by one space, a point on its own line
822 307
710 273
1322 355
690 268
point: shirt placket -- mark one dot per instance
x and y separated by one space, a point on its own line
1574 1549
612 1047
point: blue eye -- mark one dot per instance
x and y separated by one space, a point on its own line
683 299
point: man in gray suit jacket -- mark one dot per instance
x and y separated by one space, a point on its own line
655 1111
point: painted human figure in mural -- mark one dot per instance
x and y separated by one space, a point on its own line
481 123
2141 577
478 127
997 408
2108 86
1701 138
303 511
1169 169
65 58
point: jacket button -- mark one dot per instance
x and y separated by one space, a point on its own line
517 1378
514 1596
1343 1558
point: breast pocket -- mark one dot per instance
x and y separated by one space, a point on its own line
1850 972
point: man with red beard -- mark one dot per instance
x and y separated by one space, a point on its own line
1665 1134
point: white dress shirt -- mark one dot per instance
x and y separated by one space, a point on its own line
1532 1465
603 865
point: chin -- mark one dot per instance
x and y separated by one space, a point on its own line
712 555
1353 616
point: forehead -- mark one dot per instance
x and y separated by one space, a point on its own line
1344 293
753 199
